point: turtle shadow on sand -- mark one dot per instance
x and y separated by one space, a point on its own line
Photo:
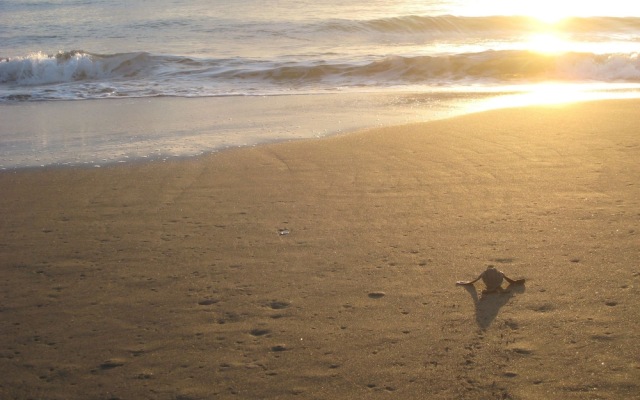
488 305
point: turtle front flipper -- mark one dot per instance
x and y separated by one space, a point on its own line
463 283
514 281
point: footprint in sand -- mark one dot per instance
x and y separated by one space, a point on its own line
279 305
279 348
542 308
259 332
207 302
523 349
111 364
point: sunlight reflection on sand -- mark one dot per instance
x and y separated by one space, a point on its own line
554 93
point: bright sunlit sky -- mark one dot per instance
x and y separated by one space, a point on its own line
549 11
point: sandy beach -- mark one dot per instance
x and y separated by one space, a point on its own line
326 269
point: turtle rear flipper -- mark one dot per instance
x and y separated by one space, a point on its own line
499 290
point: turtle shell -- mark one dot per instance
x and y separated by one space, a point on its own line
492 278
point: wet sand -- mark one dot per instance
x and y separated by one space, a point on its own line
327 268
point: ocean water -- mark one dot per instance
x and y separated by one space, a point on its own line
425 54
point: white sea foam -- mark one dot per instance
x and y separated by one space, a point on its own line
41 69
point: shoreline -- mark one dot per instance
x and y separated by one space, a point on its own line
327 267
111 131
108 131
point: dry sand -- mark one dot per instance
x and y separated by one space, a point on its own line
178 280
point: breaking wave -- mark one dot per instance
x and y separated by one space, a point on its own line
72 66
307 54
487 66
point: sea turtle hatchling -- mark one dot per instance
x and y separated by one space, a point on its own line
492 279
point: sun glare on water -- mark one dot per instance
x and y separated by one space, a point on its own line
550 93
548 43
547 33
540 93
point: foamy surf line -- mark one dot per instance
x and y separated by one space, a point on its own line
76 75
102 132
